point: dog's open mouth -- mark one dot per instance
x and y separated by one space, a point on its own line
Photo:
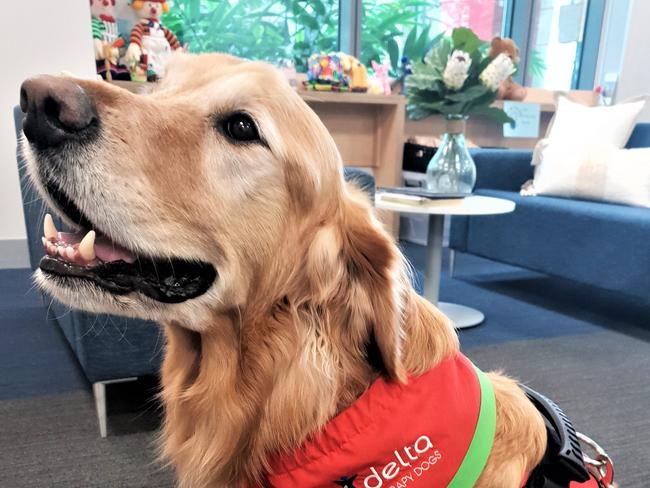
92 256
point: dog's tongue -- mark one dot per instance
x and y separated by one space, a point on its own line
105 249
86 248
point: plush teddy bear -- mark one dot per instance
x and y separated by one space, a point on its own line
151 43
509 89
107 41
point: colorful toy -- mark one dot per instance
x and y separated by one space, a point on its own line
107 41
509 89
356 73
325 73
151 43
380 82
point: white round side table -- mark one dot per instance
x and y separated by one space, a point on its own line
462 316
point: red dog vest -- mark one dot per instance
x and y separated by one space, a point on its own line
424 434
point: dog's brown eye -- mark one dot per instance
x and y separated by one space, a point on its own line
240 127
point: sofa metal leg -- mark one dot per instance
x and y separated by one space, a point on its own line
99 392
452 262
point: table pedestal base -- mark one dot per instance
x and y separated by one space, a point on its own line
463 317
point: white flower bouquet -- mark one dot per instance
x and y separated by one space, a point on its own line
458 78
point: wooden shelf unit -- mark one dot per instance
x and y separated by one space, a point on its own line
369 133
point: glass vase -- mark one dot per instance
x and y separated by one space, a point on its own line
452 169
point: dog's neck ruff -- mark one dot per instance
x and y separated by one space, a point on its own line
435 431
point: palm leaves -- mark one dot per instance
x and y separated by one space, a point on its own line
257 29
294 29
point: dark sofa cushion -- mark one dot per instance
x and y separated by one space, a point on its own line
502 169
110 347
363 180
600 244
640 136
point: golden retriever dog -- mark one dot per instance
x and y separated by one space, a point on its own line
215 205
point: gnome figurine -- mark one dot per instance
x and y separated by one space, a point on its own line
151 43
107 41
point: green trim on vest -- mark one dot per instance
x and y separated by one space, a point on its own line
481 445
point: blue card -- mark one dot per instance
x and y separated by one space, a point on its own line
526 116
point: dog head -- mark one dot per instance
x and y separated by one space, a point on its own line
217 185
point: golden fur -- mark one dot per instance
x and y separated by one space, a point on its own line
309 281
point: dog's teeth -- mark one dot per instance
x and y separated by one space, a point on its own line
69 252
87 246
61 251
49 229
44 241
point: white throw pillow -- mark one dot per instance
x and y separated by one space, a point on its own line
582 147
595 172
580 124
575 124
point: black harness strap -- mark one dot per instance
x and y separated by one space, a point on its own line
563 461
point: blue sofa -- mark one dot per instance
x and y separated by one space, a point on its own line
600 244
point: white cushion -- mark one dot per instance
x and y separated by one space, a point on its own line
576 124
581 124
579 156
596 172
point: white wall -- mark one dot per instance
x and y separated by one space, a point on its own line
634 78
37 36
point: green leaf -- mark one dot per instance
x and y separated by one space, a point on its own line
318 6
484 48
493 113
258 31
439 54
195 8
423 44
438 38
453 108
393 53
468 95
409 44
536 63
485 100
465 39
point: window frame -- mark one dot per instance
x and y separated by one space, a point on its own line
517 24
350 27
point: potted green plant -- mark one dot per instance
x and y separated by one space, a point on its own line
457 78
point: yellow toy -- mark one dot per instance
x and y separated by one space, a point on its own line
356 72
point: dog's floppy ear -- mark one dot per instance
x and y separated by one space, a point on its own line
376 284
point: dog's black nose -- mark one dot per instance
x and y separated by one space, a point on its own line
56 109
